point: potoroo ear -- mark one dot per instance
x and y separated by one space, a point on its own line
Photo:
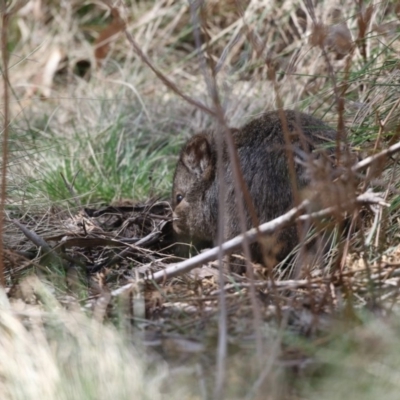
197 156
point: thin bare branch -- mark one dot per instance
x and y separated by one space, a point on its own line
6 111
376 158
167 82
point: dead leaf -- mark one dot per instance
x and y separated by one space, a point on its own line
363 21
339 38
318 35
102 43
203 272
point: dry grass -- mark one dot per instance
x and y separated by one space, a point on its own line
49 352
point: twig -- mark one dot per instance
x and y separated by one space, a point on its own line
70 188
289 284
167 82
33 237
4 50
47 249
143 242
376 157
39 242
230 245
368 197
212 87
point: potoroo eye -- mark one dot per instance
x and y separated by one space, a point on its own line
179 198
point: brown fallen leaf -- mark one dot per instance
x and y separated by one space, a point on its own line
107 35
339 38
318 35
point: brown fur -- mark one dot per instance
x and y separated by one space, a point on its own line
261 149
